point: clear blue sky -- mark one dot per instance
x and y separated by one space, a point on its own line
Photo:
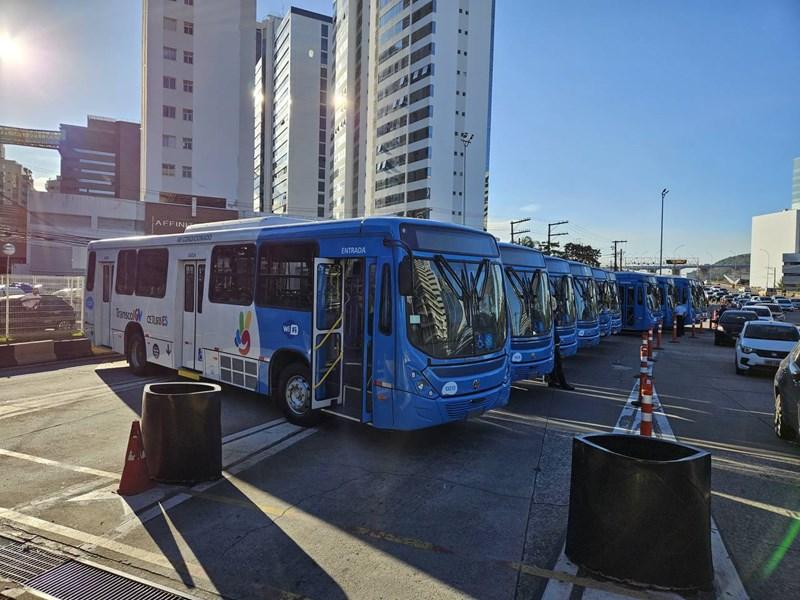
597 106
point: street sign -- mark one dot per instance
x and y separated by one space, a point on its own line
9 249
676 261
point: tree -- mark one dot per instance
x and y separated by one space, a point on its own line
552 249
525 240
583 253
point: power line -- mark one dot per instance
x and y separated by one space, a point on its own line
615 242
550 233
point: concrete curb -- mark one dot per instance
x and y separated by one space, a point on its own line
31 353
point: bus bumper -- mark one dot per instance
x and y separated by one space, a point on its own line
588 337
531 370
616 326
417 412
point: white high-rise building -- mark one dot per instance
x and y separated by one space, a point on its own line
411 131
293 180
197 102
263 101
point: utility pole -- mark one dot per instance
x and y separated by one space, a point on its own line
513 233
615 242
551 235
466 138
664 192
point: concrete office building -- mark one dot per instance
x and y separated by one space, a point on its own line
796 183
100 159
197 102
294 179
348 108
428 108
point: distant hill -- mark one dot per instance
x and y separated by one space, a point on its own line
733 266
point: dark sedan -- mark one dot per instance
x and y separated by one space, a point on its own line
34 316
786 390
730 324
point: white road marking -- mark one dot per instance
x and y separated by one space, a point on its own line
556 589
60 465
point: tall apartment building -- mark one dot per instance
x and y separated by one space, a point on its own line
100 159
348 107
411 111
796 183
197 102
290 174
16 185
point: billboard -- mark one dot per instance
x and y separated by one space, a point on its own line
162 218
676 261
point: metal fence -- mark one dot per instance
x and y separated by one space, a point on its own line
40 307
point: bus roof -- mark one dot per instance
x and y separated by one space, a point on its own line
579 268
253 229
635 276
556 265
522 256
599 274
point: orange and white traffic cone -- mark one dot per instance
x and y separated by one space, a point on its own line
692 329
650 344
135 478
674 339
646 424
642 369
658 337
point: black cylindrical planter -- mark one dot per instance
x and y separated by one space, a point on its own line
640 511
182 431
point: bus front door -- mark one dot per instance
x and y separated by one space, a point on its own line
194 272
327 350
103 321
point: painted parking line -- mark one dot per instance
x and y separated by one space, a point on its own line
58 464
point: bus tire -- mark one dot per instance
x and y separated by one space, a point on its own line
294 395
136 354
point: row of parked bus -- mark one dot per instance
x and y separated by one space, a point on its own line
398 323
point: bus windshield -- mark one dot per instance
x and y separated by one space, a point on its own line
561 290
602 295
457 308
586 298
653 302
613 296
672 295
528 297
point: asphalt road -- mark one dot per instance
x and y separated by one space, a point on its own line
477 508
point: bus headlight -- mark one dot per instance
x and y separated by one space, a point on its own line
420 385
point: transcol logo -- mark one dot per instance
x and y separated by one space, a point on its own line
134 315
242 338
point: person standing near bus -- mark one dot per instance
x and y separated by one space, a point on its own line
557 377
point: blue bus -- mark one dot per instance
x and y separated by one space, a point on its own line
585 304
641 309
399 323
529 311
614 304
603 301
688 298
668 295
562 288
699 300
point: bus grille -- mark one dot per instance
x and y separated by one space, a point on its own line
469 368
461 408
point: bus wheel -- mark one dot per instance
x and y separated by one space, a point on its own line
294 395
137 354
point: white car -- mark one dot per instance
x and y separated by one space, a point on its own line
785 304
764 345
763 313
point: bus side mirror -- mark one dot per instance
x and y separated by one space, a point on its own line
405 277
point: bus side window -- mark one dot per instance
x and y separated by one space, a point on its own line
232 274
639 295
126 272
629 293
371 298
90 269
385 316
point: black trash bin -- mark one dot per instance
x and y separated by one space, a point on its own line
182 431
640 511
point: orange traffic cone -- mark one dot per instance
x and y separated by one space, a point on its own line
135 479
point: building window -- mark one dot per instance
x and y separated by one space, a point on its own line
188 28
232 270
170 53
169 82
167 169
187 172
188 114
168 111
188 2
188 85
151 279
188 57
187 143
168 141
170 24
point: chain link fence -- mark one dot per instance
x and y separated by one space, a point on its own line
40 307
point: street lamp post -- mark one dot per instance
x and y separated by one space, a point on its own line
664 192
466 139
769 256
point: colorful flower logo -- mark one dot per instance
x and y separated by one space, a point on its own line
242 339
137 315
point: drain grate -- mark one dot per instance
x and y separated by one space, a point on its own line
78 581
21 563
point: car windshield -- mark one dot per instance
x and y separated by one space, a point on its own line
561 289
729 318
457 307
585 298
528 297
765 331
773 307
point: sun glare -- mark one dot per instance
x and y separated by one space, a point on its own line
10 49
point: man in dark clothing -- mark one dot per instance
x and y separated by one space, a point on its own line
557 378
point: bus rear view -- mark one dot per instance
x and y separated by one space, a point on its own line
563 290
586 304
529 309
